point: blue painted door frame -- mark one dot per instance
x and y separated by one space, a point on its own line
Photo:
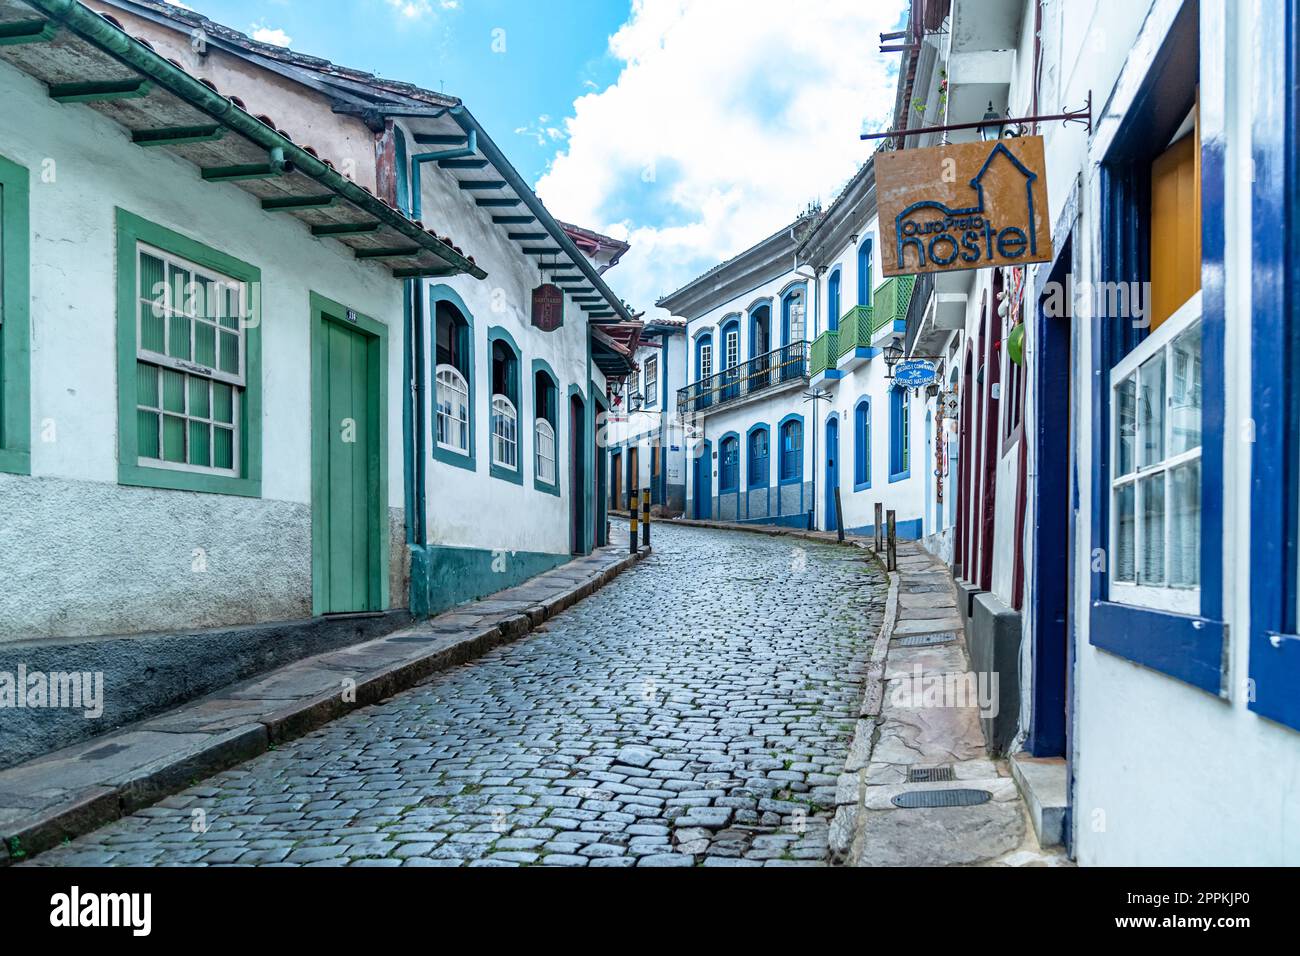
703 465
832 467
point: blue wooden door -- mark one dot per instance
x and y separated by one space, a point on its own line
832 469
703 483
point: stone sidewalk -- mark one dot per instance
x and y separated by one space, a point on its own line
920 733
920 719
72 791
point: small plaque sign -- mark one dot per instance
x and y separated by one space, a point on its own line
548 307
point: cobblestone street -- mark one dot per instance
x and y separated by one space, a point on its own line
697 710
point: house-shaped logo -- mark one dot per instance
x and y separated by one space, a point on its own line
944 221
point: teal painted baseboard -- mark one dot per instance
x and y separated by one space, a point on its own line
443 577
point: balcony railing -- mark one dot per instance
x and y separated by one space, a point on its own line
921 294
769 370
889 302
825 352
855 329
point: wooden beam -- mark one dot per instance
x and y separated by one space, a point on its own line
97 90
226 174
401 252
177 135
290 203
513 220
423 272
541 250
441 139
482 183
527 236
27 31
498 203
345 228
462 163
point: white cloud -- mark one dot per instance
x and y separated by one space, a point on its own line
264 34
727 119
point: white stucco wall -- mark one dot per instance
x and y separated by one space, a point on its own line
80 554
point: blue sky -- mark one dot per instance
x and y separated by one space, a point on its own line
691 128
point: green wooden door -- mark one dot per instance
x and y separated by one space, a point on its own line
348 451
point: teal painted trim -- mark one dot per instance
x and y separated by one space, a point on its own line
445 293
541 365
15 333
513 475
131 230
327 310
588 459
26 31
600 461
452 576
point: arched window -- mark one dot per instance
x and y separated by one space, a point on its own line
505 405
731 360
729 464
862 444
758 458
833 301
793 313
545 401
899 434
703 371
791 450
451 379
864 272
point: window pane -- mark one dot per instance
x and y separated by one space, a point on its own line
1152 496
1185 392
223 403
178 336
173 390
146 384
152 285
200 406
1125 552
205 344
182 291
1125 426
1151 409
152 327
229 353
146 431
223 448
200 444
1185 525
173 439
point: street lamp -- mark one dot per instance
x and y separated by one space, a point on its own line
893 355
993 125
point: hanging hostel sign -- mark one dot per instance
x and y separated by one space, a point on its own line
968 206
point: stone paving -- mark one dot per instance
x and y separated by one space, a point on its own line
696 711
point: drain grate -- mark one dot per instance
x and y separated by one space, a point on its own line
929 774
922 799
924 640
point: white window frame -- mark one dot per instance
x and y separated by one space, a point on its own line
732 344
544 433
450 378
505 439
189 368
1180 599
706 360
651 381
797 330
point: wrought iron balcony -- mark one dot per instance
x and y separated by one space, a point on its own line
770 370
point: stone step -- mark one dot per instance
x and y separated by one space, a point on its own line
1043 782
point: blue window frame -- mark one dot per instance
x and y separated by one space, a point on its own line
833 300
1183 644
729 464
791 466
862 444
864 272
453 414
759 457
730 358
1275 356
505 409
794 314
900 438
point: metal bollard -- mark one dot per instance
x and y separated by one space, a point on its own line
631 510
880 520
645 517
892 543
839 515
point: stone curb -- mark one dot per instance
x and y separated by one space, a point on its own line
852 786
94 807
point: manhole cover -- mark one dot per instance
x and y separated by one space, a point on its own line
929 774
102 752
921 799
923 640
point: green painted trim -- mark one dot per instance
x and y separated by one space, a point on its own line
445 293
541 365
132 229
588 459
327 310
100 90
178 135
15 333
27 31
450 576
345 229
